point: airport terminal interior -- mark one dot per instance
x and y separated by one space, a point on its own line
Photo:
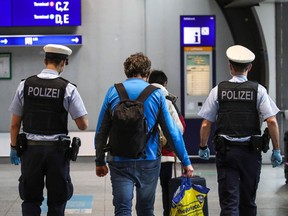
102 34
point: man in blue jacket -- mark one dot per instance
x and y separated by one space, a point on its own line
142 173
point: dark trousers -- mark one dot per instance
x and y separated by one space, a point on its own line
238 173
165 176
44 166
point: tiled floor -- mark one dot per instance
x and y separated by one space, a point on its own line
272 196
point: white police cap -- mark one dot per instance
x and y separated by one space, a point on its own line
240 54
57 49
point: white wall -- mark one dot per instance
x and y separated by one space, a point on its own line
266 13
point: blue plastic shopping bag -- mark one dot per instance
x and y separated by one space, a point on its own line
189 198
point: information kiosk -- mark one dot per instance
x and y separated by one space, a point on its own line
197 44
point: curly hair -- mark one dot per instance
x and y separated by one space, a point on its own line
136 64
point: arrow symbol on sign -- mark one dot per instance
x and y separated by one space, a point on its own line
76 40
5 41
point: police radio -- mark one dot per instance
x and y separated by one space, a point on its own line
70 152
76 143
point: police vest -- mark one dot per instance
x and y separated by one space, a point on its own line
238 115
44 112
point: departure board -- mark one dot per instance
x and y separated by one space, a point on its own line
5 13
40 13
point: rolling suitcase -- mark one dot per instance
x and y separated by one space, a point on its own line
175 182
286 156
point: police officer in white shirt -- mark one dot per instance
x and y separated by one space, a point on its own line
41 104
237 107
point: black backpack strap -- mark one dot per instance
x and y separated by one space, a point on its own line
121 91
171 98
146 92
174 104
142 97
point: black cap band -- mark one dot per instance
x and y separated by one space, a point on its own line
239 64
55 56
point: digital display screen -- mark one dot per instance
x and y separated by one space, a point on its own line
39 40
197 30
5 13
41 13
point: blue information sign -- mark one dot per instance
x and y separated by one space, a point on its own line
40 13
5 13
77 205
39 40
197 30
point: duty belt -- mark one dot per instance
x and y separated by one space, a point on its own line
237 143
42 143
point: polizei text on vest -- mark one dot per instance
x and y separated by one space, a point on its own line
43 92
237 95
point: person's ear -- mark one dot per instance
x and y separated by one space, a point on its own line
230 66
63 63
249 67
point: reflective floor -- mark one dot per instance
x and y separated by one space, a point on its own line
92 195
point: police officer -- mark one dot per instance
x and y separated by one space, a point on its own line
237 107
42 103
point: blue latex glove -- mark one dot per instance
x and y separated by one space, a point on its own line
13 157
276 158
204 153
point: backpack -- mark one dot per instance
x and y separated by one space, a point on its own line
129 132
181 117
163 140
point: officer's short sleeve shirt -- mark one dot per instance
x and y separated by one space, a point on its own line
72 100
265 104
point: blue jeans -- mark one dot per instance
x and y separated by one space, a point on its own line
141 174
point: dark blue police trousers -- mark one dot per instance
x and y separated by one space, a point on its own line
44 165
238 173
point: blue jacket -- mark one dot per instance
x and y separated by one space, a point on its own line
155 110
